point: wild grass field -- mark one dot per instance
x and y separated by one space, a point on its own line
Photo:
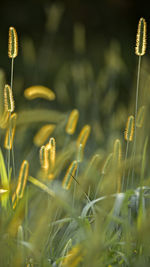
75 180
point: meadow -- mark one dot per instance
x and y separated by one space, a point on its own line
74 180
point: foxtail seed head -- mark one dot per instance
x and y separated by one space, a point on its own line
72 121
117 152
141 38
69 175
52 143
140 117
42 135
44 157
12 43
8 98
129 129
9 137
83 136
23 175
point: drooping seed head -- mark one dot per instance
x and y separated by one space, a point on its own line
141 38
12 43
39 91
8 98
69 175
129 129
72 121
42 135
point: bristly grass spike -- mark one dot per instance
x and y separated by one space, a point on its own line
8 98
141 38
72 121
12 43
129 129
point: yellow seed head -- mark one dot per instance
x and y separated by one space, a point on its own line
12 43
10 133
42 135
72 121
129 129
8 98
44 157
83 136
22 180
68 177
52 143
39 91
141 38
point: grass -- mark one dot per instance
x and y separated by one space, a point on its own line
76 202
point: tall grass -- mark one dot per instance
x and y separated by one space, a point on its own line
72 200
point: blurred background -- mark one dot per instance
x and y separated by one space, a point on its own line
83 51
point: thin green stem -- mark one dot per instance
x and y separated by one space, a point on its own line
136 109
126 155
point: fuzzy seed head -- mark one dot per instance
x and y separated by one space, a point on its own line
68 177
129 129
44 157
23 175
12 43
52 143
83 136
72 122
8 98
141 38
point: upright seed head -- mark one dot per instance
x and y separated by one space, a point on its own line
12 43
140 47
140 117
8 98
72 121
23 175
80 153
44 157
83 136
117 152
9 137
52 143
69 175
129 129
